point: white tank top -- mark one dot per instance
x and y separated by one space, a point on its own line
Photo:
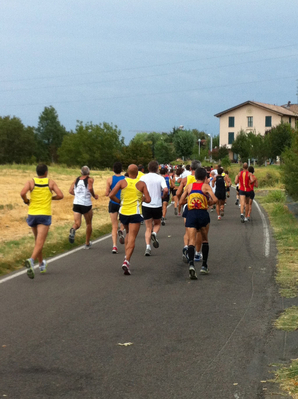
82 194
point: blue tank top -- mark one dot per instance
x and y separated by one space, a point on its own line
115 180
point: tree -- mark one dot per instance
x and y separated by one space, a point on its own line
97 146
17 143
290 167
51 132
242 146
259 147
184 142
279 138
136 154
164 152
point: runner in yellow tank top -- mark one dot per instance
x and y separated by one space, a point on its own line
133 192
39 213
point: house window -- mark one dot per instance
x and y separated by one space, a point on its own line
250 121
231 137
290 120
231 121
268 121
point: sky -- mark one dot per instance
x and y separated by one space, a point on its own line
145 65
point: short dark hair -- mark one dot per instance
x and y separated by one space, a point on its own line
220 171
140 168
179 171
117 167
153 166
200 174
226 172
187 167
251 169
163 171
41 169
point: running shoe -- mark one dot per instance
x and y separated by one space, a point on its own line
248 218
29 264
125 268
179 214
88 246
204 270
154 239
185 255
237 202
115 250
43 267
198 257
222 213
192 273
245 220
72 234
163 223
175 212
147 252
121 236
218 217
242 218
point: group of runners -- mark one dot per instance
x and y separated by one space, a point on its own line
137 198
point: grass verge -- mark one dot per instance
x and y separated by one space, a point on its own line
285 227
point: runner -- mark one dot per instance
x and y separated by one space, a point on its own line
39 213
220 192
210 180
185 182
245 179
252 193
114 206
200 197
177 179
133 192
141 171
237 191
228 183
152 212
165 199
82 189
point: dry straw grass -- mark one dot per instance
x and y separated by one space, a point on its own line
13 212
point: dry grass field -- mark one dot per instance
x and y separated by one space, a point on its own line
13 211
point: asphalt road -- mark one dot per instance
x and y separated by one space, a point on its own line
204 339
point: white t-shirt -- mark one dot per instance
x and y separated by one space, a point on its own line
185 174
82 194
155 184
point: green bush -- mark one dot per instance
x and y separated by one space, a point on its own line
269 180
275 196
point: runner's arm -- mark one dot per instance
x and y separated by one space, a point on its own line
256 182
71 190
208 190
213 181
90 188
141 186
119 186
53 187
185 194
27 187
108 186
180 188
237 179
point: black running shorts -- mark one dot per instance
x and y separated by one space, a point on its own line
246 193
113 208
220 195
197 218
82 209
128 219
151 213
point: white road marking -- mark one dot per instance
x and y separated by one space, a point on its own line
14 275
265 231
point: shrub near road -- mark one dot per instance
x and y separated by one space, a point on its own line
16 238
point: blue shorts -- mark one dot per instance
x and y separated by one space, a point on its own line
34 220
185 211
197 218
127 219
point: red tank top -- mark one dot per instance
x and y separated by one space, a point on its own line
244 181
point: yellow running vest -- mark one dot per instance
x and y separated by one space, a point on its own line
131 199
40 198
190 179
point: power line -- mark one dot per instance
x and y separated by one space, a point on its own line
156 93
148 66
148 76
